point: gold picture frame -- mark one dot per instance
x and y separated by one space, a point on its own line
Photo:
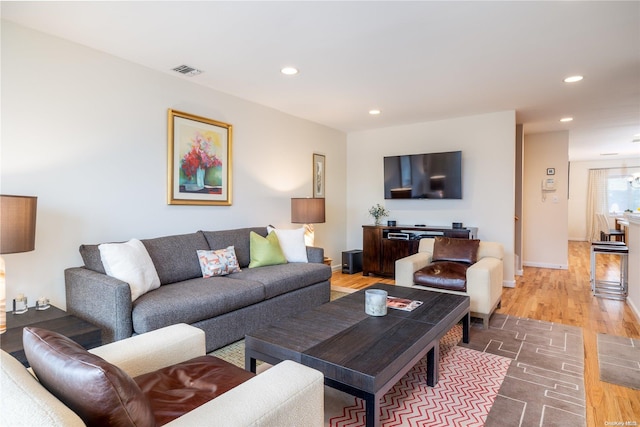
199 160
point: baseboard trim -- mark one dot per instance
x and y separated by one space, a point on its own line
545 265
508 283
341 289
634 309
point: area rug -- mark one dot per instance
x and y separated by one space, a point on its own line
619 360
467 386
544 385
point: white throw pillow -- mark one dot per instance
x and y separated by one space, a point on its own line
131 263
292 244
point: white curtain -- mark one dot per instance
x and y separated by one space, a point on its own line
596 201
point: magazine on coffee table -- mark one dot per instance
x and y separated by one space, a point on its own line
403 304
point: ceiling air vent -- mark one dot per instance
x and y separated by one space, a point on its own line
187 70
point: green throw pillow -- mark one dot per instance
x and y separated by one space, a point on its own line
265 250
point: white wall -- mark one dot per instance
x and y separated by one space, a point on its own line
87 133
544 216
487 143
578 188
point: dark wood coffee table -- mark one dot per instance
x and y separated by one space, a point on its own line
360 354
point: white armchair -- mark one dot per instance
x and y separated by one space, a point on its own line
484 278
288 394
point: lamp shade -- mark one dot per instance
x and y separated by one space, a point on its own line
17 224
307 211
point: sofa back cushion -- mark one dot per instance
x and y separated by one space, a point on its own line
485 249
238 238
97 391
91 257
176 257
457 250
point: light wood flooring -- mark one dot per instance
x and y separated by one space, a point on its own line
564 296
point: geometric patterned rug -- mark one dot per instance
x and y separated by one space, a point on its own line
544 385
467 386
619 360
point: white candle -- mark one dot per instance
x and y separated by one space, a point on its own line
375 302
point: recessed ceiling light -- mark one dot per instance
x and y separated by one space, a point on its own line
573 79
609 154
289 71
636 138
566 119
374 112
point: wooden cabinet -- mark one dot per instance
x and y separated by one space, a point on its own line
379 253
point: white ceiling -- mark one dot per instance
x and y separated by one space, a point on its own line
416 61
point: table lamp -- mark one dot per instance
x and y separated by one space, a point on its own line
308 212
17 234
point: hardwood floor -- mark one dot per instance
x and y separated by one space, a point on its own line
564 296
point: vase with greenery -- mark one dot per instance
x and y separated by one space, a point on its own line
378 212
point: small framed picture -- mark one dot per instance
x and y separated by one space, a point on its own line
318 175
551 171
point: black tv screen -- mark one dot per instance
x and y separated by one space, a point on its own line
423 176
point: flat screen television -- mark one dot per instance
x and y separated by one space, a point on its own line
423 176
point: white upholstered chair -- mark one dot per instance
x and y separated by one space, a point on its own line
484 278
288 394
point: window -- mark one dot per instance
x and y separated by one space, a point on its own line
623 191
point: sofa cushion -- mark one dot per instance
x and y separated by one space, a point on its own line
219 262
130 263
99 392
460 250
175 257
238 238
292 243
265 250
283 278
193 300
91 257
178 389
447 275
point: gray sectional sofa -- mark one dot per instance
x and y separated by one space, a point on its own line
225 307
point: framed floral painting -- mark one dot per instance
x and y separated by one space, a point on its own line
199 160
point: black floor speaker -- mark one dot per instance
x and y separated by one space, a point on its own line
352 261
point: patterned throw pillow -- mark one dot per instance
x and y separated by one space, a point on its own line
219 262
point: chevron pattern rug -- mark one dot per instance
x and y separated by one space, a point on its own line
468 384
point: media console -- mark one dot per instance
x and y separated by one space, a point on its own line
383 245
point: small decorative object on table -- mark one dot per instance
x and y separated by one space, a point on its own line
20 304
375 302
42 303
378 212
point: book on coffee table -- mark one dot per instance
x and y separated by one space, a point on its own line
402 303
